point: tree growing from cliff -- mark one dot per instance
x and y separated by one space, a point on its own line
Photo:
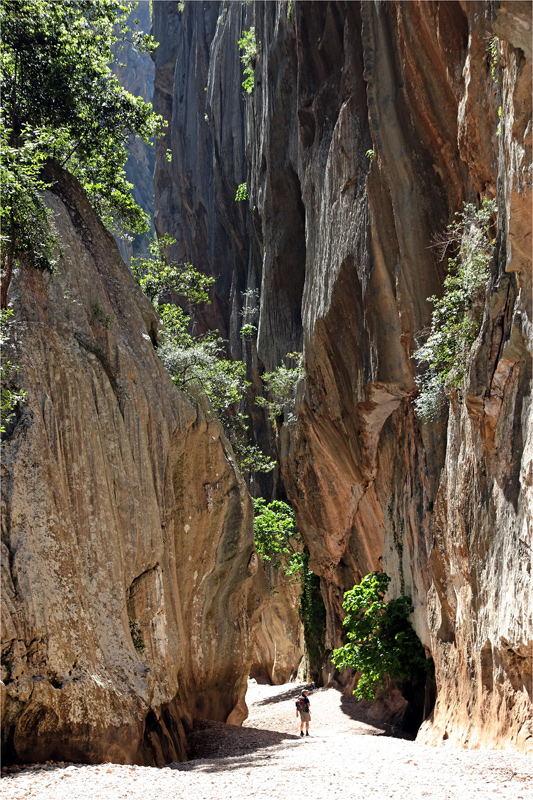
277 538
280 387
197 363
249 46
381 641
158 275
60 101
456 318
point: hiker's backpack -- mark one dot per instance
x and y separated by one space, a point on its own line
301 705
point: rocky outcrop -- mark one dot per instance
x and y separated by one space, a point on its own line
368 126
129 579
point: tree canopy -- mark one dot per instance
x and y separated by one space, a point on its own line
61 101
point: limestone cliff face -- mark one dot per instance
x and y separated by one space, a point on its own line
339 243
129 578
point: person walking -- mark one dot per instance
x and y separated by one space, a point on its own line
303 708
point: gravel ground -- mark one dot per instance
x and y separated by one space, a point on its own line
343 757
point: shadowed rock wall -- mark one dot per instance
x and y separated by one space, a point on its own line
137 76
129 578
340 244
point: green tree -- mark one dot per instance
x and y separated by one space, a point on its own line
60 101
197 363
277 538
280 543
158 275
456 318
381 641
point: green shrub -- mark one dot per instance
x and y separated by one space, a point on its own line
136 636
248 331
198 363
99 315
280 385
242 193
250 50
456 318
381 641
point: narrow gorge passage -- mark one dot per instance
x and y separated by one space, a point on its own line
345 756
267 398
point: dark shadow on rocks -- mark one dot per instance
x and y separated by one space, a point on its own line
352 709
217 740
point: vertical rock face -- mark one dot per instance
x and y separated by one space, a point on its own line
368 127
129 578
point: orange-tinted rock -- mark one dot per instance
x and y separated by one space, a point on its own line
129 594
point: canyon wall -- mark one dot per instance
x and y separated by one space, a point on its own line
130 583
368 126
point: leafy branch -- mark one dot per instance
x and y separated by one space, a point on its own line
197 363
381 641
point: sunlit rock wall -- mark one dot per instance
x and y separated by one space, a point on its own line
129 579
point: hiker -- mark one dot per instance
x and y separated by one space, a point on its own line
303 705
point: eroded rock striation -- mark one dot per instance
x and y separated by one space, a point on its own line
368 126
129 579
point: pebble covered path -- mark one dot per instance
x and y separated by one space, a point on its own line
344 757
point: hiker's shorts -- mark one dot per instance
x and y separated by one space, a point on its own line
305 716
